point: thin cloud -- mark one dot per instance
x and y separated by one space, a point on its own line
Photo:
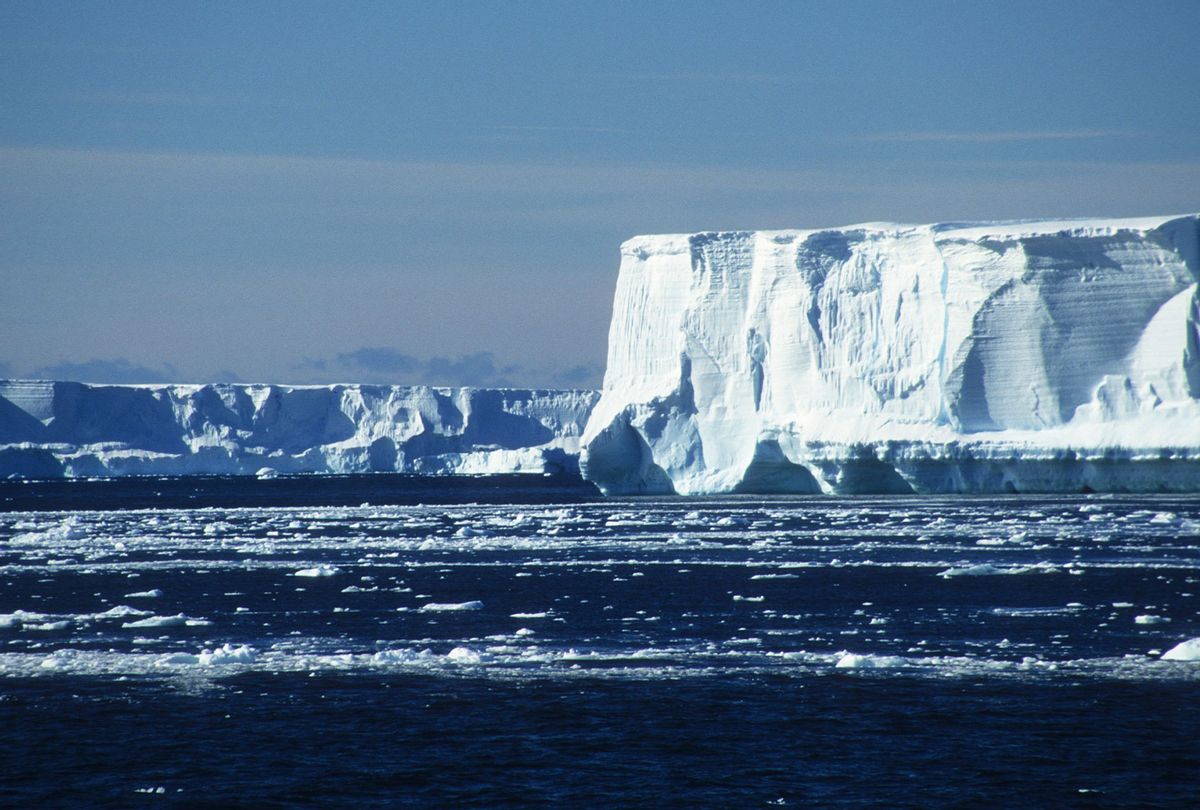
718 78
389 366
117 370
373 358
586 375
154 99
994 137
546 128
227 376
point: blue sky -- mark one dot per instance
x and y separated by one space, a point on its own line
435 192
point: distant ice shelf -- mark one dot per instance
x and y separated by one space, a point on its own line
1033 356
56 429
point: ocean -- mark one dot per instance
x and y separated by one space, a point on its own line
520 641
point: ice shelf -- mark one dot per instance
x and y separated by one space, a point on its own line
1034 356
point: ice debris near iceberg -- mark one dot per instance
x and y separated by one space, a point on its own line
53 429
1022 356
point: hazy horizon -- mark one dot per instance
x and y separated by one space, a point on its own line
414 194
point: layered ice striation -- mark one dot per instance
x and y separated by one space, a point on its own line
52 429
1016 356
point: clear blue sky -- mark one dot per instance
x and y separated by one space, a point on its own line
436 192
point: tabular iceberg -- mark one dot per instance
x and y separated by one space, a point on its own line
51 429
1018 356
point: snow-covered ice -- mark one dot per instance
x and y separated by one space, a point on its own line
450 607
178 620
1022 356
1184 651
52 429
318 571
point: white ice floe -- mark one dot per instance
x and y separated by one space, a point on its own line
178 620
1150 618
48 626
154 593
464 655
857 661
987 569
225 655
1184 651
18 618
319 571
435 607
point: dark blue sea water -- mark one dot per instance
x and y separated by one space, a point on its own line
521 642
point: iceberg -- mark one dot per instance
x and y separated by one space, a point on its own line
69 429
1031 356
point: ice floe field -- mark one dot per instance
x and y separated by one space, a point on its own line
729 651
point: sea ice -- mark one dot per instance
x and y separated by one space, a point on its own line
452 606
856 661
320 571
226 654
464 655
178 620
1150 618
1184 651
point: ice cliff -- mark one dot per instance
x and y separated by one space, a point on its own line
50 429
1026 356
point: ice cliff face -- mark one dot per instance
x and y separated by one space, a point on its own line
50 429
1030 356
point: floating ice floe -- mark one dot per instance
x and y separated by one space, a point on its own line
1150 618
857 661
48 626
464 655
987 569
155 593
319 571
1184 651
178 620
434 607
225 655
18 618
